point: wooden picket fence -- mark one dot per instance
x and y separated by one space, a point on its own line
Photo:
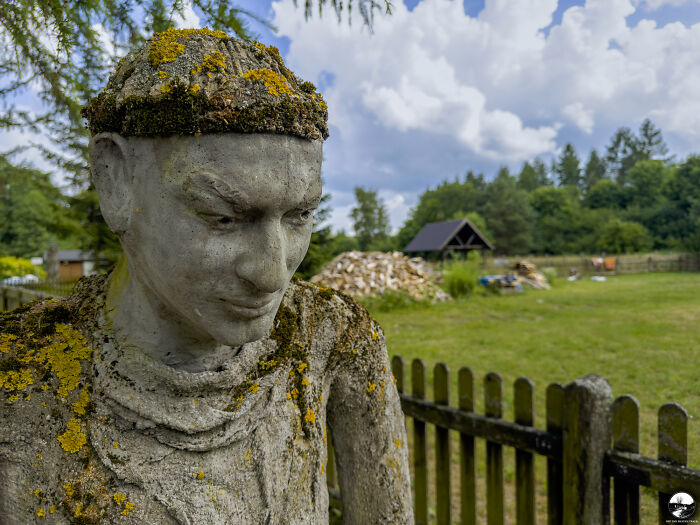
12 297
589 440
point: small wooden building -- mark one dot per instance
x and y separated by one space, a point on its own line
73 264
445 237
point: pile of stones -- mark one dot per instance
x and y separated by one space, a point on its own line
363 274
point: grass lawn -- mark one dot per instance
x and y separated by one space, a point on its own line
641 332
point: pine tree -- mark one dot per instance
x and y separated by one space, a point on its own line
568 168
594 171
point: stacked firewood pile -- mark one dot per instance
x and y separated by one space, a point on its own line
372 273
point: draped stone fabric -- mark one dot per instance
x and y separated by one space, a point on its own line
125 439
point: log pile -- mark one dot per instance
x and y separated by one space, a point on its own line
362 274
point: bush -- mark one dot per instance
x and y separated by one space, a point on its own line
11 266
460 278
551 274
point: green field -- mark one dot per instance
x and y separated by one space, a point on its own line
641 332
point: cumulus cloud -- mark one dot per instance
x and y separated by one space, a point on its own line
434 91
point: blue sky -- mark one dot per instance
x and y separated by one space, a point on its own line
444 86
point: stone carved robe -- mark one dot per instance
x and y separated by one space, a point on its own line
110 436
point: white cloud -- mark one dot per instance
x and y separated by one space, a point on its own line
653 5
188 19
434 91
580 116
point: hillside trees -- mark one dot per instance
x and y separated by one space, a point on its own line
370 221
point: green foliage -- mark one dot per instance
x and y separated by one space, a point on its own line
11 266
532 176
619 236
568 167
509 215
594 171
460 278
33 212
370 221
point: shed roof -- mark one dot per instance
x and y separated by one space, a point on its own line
75 255
460 234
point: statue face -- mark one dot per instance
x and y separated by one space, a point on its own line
218 225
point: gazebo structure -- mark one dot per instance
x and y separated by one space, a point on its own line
445 237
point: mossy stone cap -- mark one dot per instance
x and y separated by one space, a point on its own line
192 81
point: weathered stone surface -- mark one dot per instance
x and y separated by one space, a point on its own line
242 445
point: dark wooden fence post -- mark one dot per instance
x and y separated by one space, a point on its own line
524 461
625 435
493 393
586 440
420 447
441 384
397 369
555 424
673 446
467 452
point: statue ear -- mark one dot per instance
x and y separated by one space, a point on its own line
112 177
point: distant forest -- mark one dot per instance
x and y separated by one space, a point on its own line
630 197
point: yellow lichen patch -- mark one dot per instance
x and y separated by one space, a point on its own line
44 387
73 439
370 387
305 382
274 83
52 509
302 367
294 393
254 387
199 475
115 444
266 365
37 493
128 506
375 335
6 341
289 396
13 397
40 512
78 509
63 357
80 405
38 458
310 417
12 380
214 62
397 443
164 47
119 498
69 489
162 75
325 437
195 88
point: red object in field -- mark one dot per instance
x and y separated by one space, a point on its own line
609 263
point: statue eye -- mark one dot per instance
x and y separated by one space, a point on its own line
224 220
300 217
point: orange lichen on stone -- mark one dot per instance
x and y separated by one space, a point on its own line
370 387
164 47
119 498
63 357
80 405
128 506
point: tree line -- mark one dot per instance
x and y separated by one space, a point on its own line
630 197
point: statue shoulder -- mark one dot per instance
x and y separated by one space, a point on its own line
45 375
320 299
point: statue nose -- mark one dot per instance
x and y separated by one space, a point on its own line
264 265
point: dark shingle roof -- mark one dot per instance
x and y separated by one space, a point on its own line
436 236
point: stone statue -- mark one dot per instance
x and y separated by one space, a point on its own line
195 382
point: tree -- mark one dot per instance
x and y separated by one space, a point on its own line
33 212
594 171
626 149
605 194
650 144
370 220
531 177
557 224
508 215
619 236
568 168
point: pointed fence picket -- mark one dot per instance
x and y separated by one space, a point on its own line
587 434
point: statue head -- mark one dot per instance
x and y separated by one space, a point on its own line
206 156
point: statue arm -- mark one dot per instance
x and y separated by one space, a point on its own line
369 436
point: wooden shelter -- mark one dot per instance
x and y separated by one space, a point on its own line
445 237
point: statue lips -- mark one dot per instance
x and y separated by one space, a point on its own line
251 309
